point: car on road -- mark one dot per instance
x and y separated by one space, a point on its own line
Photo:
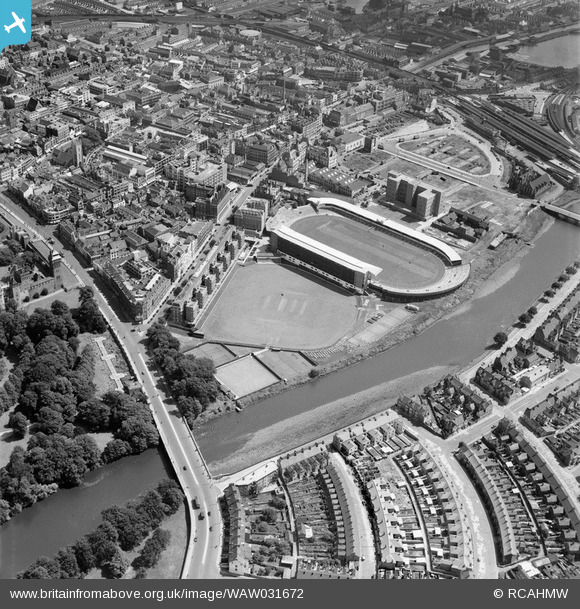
201 516
195 503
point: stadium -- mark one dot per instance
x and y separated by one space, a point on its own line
359 250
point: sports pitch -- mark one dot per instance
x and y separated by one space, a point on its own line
245 376
280 306
404 264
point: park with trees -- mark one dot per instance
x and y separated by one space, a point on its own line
190 379
52 399
133 528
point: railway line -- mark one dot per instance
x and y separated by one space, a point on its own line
557 117
515 128
525 133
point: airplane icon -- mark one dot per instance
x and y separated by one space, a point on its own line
17 23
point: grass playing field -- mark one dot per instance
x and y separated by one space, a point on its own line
280 306
404 264
245 376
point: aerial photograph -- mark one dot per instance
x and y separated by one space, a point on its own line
290 290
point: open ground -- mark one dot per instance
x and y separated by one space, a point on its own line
404 265
280 306
322 420
452 150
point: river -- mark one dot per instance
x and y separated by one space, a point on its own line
563 51
455 341
64 517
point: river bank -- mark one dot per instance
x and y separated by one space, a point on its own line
552 50
340 413
486 264
325 419
453 342
65 516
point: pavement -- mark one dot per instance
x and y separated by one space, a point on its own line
204 545
108 359
544 311
478 531
367 566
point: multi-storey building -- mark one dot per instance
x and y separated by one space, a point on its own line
421 199
218 206
309 126
138 285
252 216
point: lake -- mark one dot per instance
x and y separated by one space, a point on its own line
563 51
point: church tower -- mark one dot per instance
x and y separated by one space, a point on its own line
56 267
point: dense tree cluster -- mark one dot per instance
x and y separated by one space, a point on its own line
134 521
190 379
152 549
49 461
88 316
53 390
14 253
130 421
6 256
45 322
123 528
19 424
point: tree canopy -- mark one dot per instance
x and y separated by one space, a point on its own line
190 379
54 393
122 529
500 338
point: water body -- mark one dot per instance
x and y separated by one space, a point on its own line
451 342
563 51
44 528
69 514
356 4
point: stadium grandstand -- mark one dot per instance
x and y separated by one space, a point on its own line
397 261
332 264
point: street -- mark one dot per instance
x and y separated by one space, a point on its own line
202 556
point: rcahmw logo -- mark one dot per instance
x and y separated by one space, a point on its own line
537 593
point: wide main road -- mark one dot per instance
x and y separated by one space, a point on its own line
204 545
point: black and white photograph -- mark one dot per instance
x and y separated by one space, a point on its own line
289 291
